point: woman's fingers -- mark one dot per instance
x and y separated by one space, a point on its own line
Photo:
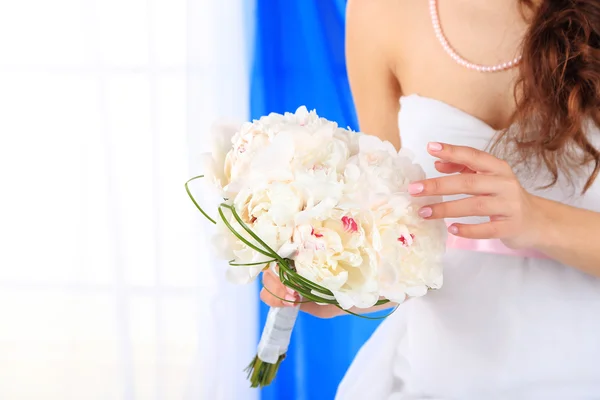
480 206
470 157
488 230
276 294
474 184
321 311
451 168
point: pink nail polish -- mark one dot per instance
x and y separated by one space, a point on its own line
291 291
453 229
433 146
415 188
425 212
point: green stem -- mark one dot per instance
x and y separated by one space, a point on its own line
261 373
277 297
282 262
304 291
305 281
187 189
242 239
250 232
250 264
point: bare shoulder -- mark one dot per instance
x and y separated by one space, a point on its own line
376 17
365 30
364 10
386 30
385 18
373 32
381 8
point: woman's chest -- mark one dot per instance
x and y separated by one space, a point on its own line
423 67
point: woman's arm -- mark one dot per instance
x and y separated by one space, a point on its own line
375 90
569 235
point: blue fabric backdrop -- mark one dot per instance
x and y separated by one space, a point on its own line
299 60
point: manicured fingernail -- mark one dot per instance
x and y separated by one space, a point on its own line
453 229
291 291
290 300
425 212
415 188
433 146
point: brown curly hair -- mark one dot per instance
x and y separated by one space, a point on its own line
558 89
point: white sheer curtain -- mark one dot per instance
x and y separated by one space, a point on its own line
107 286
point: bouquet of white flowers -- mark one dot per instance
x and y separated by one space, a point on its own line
328 209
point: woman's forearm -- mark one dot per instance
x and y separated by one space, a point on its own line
569 235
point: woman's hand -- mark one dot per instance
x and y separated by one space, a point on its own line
495 192
271 281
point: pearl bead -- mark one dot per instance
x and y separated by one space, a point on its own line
439 34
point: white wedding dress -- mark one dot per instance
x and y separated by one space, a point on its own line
502 326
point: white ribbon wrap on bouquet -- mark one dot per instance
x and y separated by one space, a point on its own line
277 332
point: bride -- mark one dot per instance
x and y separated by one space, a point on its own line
500 101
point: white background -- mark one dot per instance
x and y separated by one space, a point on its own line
107 286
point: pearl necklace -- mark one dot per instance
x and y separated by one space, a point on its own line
439 34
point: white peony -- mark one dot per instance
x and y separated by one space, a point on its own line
378 168
269 211
333 201
334 253
408 247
